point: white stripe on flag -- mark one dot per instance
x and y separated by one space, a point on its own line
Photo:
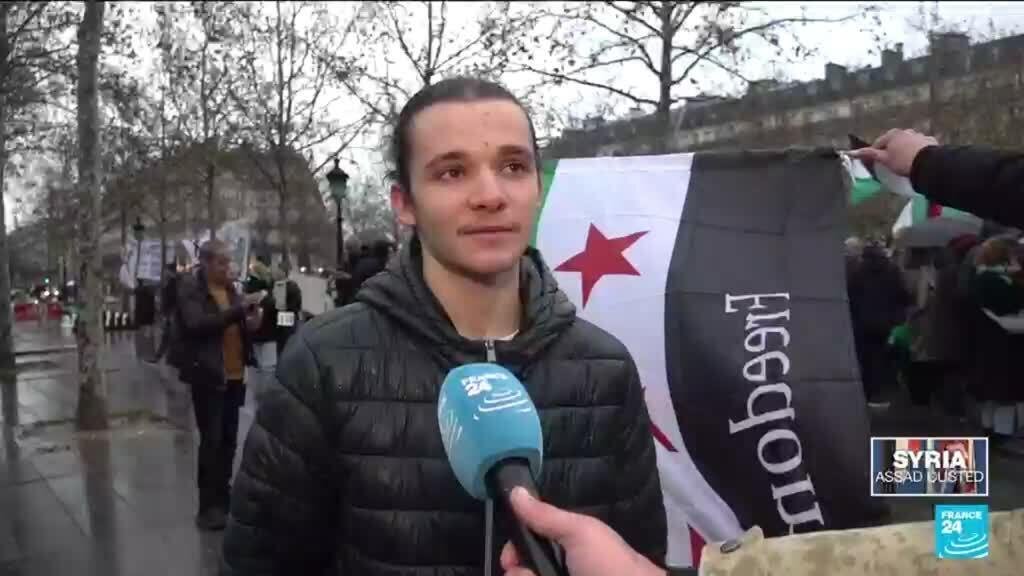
621 198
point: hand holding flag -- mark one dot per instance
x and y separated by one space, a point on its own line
896 150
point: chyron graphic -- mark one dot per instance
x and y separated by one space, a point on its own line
966 546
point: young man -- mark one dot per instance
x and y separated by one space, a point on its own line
216 348
344 471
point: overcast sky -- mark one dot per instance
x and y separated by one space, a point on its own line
851 44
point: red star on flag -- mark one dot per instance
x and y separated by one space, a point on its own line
601 256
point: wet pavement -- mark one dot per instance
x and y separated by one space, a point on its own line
121 502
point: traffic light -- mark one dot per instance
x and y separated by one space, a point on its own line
46 281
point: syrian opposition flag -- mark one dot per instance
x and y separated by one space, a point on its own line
723 274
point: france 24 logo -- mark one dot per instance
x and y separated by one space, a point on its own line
961 531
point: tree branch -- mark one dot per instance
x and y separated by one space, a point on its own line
590 84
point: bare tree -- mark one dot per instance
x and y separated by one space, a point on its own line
31 51
675 43
367 207
92 408
196 73
284 110
422 42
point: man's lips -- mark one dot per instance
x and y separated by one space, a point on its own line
482 230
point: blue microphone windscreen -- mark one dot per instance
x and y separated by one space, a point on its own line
486 416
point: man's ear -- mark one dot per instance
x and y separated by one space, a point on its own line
401 205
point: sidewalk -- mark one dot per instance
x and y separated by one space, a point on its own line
34 337
108 504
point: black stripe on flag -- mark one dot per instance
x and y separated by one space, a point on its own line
768 223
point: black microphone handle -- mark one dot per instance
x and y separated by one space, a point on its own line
536 552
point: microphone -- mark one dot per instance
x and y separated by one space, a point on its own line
492 436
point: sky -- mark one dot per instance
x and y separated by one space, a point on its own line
852 44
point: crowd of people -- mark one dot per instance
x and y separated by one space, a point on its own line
343 467
940 321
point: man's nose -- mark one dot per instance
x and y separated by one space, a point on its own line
488 192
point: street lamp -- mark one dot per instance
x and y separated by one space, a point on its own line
337 180
138 229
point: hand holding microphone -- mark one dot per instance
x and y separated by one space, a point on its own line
591 547
492 436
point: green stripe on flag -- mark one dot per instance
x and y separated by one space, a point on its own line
547 176
864 188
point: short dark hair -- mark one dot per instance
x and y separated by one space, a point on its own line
456 89
210 247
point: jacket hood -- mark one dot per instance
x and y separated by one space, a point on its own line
401 293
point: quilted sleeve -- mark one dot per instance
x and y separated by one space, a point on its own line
282 498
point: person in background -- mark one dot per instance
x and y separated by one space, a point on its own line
370 263
292 304
168 309
264 339
215 323
995 379
878 303
951 322
145 318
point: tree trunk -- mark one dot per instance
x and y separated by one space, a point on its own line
284 230
6 333
211 175
663 114
92 409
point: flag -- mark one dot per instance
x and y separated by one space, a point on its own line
925 223
723 275
922 222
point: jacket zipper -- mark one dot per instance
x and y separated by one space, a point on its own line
492 356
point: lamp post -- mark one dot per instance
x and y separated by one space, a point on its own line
337 180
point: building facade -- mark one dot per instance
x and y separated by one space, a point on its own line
244 189
960 91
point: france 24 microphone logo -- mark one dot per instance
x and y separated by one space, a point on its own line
961 532
929 466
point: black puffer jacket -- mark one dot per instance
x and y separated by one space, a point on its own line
344 471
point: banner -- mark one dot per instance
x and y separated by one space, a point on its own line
723 275
145 265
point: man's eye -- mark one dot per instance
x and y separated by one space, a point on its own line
517 167
451 174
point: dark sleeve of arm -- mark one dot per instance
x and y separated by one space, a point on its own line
197 321
281 501
985 182
639 512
